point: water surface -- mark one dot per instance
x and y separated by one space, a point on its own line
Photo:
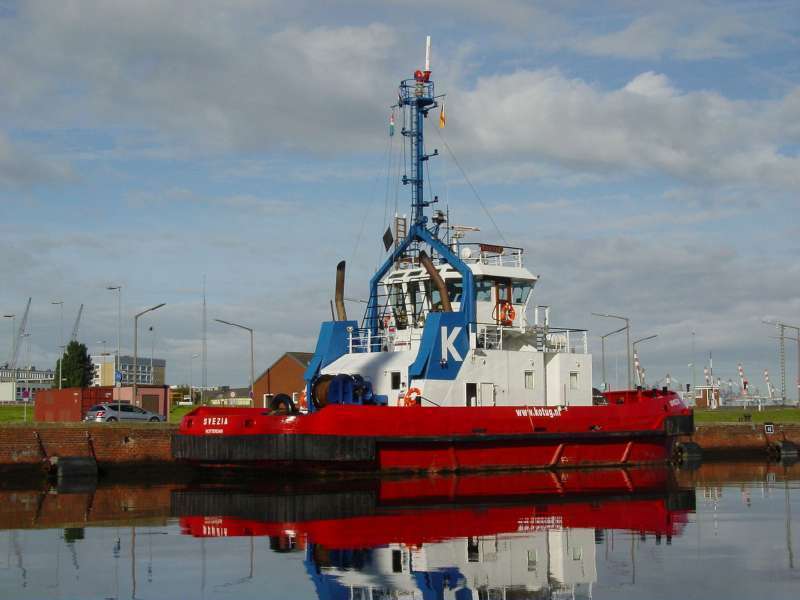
720 531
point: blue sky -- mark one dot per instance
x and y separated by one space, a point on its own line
645 156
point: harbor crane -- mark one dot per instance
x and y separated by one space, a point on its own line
19 336
74 336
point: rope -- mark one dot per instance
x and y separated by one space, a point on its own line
472 187
371 202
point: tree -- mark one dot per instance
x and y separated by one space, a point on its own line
77 368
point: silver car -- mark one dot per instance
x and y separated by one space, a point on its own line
110 412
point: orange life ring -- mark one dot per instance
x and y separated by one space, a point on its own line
508 313
411 396
386 320
302 401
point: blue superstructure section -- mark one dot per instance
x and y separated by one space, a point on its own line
443 348
332 343
419 233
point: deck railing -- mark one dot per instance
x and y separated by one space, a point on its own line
488 336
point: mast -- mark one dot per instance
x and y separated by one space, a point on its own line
418 95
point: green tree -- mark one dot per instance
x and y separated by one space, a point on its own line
77 369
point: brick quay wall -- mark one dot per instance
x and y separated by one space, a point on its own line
35 444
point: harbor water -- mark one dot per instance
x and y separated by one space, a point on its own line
717 531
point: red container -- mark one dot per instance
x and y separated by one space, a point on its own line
69 404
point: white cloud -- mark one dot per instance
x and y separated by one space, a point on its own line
646 126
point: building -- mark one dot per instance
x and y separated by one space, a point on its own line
285 376
152 371
228 396
21 384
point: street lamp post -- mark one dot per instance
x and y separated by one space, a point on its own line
136 345
60 303
627 340
252 357
783 327
644 339
117 365
603 354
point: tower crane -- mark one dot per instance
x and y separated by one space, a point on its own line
74 336
19 335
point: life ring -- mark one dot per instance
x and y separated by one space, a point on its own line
386 320
411 396
302 401
508 313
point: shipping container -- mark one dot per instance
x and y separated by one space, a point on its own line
70 404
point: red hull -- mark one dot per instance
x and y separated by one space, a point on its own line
417 511
634 428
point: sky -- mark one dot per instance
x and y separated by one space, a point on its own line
644 154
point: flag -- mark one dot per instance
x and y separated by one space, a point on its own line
388 239
391 125
442 117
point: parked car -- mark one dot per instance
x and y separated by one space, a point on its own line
110 412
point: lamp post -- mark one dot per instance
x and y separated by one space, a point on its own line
252 358
13 338
644 339
117 365
627 340
152 354
136 345
782 327
60 303
191 367
603 354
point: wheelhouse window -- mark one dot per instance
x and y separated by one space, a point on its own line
483 290
454 289
520 292
399 304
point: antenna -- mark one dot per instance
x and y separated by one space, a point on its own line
205 345
428 54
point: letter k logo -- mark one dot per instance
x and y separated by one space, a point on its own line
448 341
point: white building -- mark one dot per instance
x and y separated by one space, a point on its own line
21 384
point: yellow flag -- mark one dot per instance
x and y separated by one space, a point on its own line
442 117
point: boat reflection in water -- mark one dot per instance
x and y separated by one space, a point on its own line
520 535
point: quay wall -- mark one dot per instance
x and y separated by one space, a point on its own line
35 444
731 440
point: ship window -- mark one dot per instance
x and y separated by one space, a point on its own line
454 289
399 304
483 290
520 292
528 380
395 380
573 380
417 296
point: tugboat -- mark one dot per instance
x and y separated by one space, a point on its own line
446 370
